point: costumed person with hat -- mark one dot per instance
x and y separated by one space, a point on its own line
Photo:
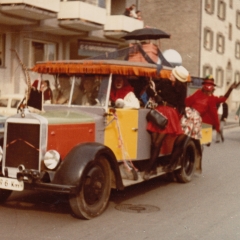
35 97
122 95
47 92
206 103
170 99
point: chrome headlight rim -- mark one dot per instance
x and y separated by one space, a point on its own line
51 159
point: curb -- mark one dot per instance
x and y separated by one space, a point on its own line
231 125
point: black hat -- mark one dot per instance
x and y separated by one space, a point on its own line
209 80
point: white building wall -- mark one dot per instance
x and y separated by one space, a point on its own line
215 59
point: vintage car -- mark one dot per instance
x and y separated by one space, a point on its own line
8 106
86 150
9 103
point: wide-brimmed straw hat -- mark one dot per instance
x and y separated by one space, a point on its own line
180 73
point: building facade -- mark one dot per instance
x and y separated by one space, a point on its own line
42 30
206 33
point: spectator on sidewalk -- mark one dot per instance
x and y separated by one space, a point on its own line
237 114
222 114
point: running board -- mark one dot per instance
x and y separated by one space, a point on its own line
129 182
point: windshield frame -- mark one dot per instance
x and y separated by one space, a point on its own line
103 94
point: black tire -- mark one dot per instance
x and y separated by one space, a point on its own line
188 163
4 195
94 193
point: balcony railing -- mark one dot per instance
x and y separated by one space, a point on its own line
81 16
29 9
66 17
118 25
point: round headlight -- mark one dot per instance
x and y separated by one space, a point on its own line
51 159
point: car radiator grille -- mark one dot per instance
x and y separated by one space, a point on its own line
22 145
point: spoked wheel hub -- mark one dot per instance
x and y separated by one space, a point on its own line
94 185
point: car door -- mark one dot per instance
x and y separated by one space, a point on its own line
121 133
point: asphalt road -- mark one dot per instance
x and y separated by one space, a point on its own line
208 208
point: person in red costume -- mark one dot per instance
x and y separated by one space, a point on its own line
206 103
122 95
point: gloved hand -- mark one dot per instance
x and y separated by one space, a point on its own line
234 85
119 103
150 92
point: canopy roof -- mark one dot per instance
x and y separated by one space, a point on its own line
101 67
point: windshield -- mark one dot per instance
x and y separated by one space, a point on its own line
84 90
90 90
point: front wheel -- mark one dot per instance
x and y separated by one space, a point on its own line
93 195
188 163
4 194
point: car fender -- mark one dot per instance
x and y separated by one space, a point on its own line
81 156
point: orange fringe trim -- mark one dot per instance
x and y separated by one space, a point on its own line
98 68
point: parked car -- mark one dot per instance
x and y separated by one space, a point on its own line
9 103
2 124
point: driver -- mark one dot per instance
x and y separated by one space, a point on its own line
62 95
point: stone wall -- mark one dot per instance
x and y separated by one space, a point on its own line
182 20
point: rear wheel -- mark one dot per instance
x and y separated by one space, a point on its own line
4 194
94 193
188 163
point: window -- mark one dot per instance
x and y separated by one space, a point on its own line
209 6
101 3
230 31
207 70
15 102
35 51
238 19
231 3
221 9
208 39
3 102
237 78
237 49
220 43
219 77
229 72
2 50
196 82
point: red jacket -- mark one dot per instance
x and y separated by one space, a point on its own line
206 106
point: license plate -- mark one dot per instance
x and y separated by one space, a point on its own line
11 184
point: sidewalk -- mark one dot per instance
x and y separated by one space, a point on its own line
231 122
